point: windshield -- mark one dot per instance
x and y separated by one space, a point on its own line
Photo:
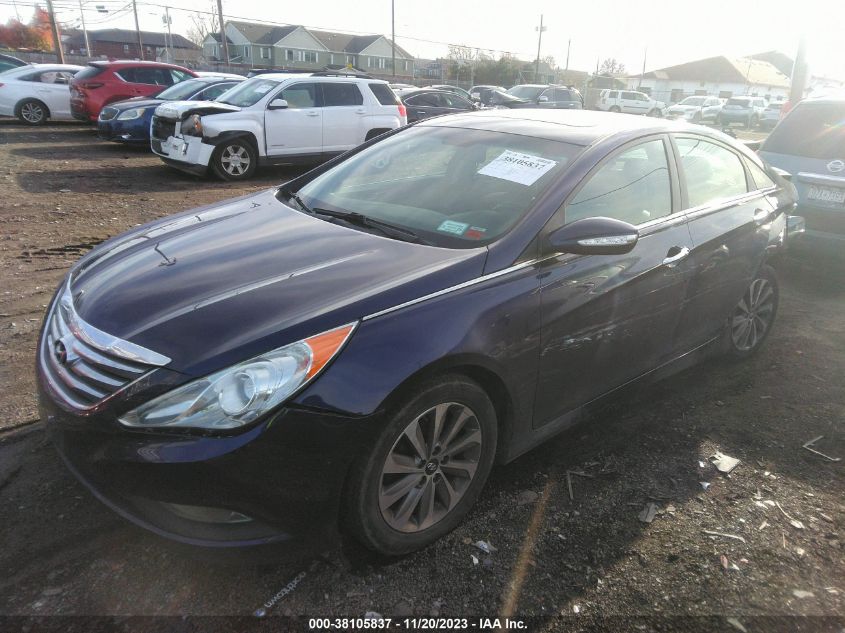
526 92
453 187
183 90
248 93
693 101
812 130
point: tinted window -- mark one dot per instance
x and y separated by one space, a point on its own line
611 94
633 186
183 90
455 101
563 95
712 172
812 130
338 94
384 94
760 178
455 187
179 75
213 92
526 92
88 72
149 76
745 103
628 95
300 96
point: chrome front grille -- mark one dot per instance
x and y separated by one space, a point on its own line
107 114
84 365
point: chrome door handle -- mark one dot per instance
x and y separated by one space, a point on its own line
312 113
761 215
671 260
360 111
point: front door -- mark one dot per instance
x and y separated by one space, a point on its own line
297 129
607 319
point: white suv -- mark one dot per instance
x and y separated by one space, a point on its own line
274 119
630 102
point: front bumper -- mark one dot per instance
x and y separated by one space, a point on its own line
277 482
189 154
123 132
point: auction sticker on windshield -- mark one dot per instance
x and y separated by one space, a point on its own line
524 169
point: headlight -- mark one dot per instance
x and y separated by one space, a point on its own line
240 394
192 126
128 115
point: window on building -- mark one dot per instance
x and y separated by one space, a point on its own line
126 49
350 59
632 186
712 172
265 52
382 62
331 58
289 55
309 56
247 51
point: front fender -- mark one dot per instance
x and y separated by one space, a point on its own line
229 127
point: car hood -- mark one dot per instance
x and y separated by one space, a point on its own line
214 286
180 109
136 102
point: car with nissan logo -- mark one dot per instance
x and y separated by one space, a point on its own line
809 144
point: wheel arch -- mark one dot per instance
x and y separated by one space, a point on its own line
20 102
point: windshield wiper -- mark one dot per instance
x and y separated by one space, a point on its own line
385 228
295 197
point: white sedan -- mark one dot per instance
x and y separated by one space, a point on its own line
37 92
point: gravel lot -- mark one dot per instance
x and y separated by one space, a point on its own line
586 556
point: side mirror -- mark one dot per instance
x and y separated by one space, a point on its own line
595 236
754 146
277 104
543 99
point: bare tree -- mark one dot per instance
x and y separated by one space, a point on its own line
203 24
610 67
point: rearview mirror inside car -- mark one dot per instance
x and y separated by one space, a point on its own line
277 104
594 236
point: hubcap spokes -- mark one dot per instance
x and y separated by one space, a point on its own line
31 112
235 160
753 315
430 467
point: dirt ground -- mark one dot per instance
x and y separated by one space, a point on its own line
749 551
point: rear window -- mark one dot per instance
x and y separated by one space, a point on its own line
812 130
739 102
88 72
384 94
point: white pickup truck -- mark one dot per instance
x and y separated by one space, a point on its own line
275 119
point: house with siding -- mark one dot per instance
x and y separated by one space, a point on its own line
123 44
296 47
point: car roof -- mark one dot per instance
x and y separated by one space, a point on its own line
318 75
43 67
115 63
578 127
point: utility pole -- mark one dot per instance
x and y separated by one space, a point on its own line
642 74
54 27
393 35
85 30
540 30
799 74
568 46
223 41
138 31
169 48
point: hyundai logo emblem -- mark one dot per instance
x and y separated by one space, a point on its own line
836 166
60 352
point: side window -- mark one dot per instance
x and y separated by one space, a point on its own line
300 96
384 94
633 186
641 97
760 178
549 94
612 94
563 95
341 94
628 95
712 172
179 75
212 92
455 101
127 74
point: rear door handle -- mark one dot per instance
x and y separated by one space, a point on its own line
761 215
679 253
312 113
360 111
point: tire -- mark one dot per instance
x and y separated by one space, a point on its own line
32 112
654 112
235 159
754 315
752 122
614 109
426 496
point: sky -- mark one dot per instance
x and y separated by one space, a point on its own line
663 33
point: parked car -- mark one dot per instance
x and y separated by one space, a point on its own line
696 109
367 340
35 93
8 61
809 143
129 121
218 75
458 91
548 96
275 119
102 83
771 115
426 102
482 93
630 102
395 87
745 110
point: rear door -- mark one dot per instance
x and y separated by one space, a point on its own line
51 87
343 116
424 105
297 129
728 216
607 319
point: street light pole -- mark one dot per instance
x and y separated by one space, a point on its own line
540 29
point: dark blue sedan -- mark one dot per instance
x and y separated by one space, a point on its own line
357 348
129 121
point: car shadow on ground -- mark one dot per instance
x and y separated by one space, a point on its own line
564 518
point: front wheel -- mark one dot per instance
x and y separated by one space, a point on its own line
615 109
425 469
755 313
234 160
654 112
32 112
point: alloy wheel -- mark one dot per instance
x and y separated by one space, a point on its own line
430 467
753 315
31 112
235 160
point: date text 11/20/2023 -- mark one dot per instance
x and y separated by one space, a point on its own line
414 624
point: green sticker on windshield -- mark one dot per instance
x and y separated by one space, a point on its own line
455 228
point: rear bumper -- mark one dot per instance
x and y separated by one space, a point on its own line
80 112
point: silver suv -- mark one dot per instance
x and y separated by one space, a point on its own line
745 110
630 102
275 119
